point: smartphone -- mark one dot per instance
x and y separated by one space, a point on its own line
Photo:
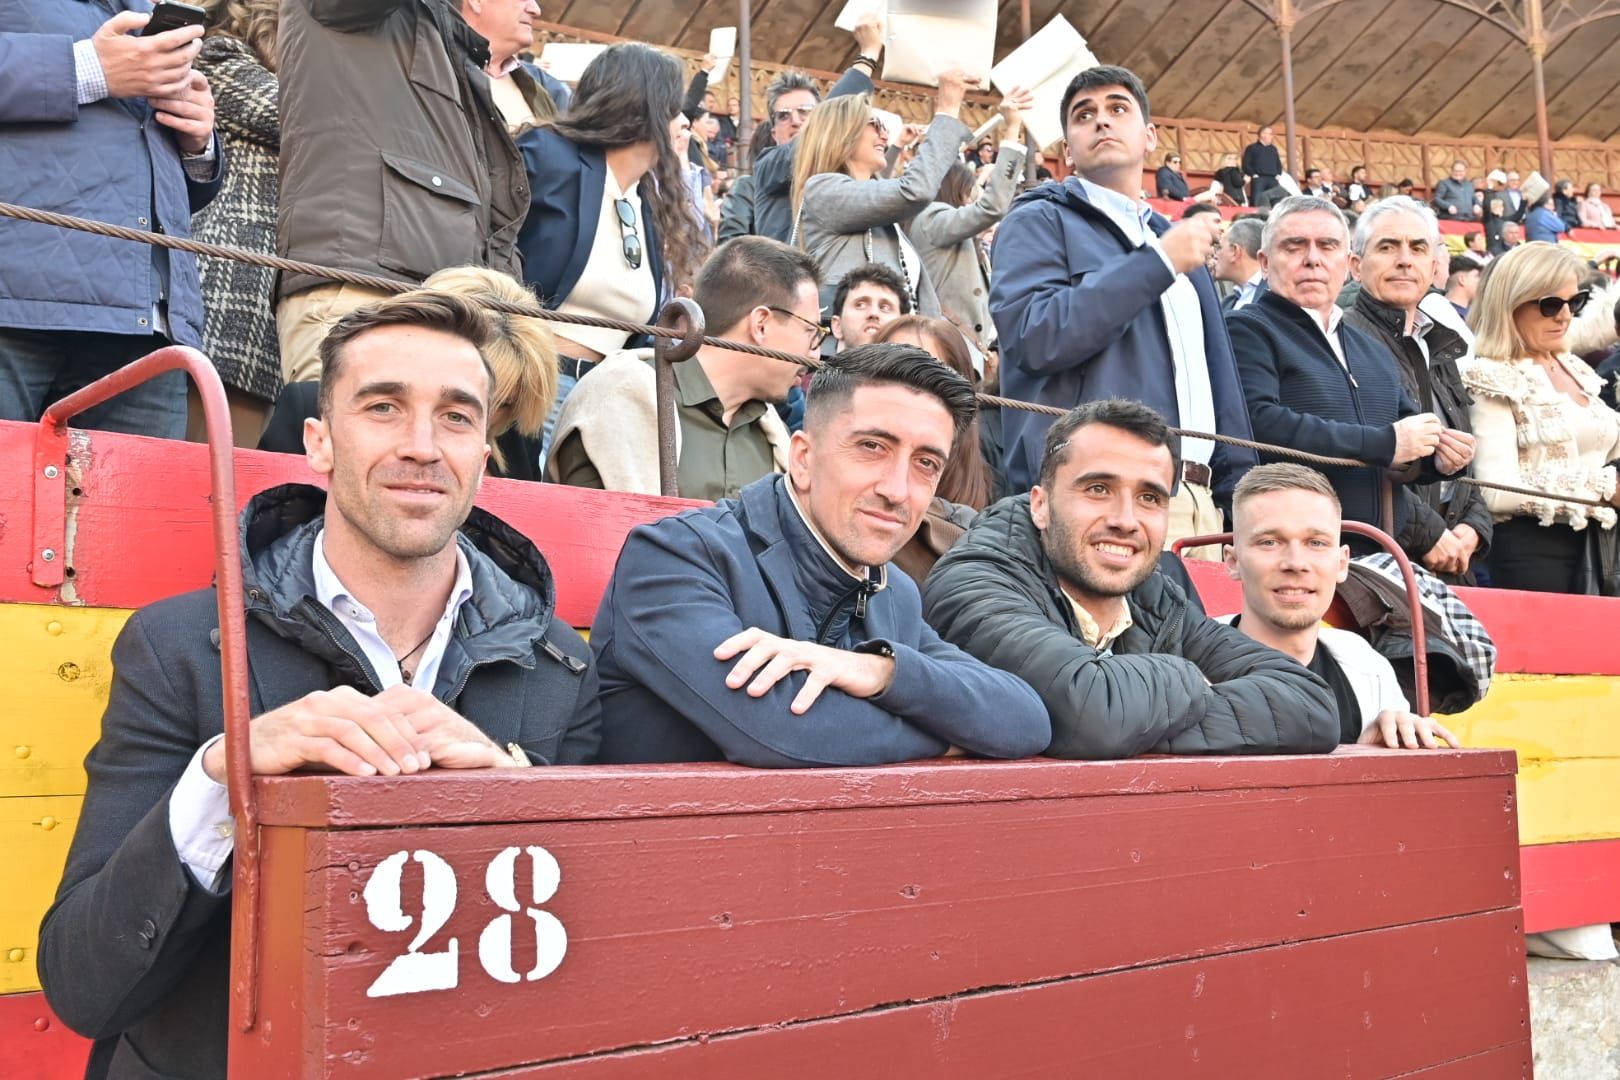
168 15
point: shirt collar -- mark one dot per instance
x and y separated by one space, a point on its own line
858 573
332 594
1113 203
1094 634
511 65
1421 323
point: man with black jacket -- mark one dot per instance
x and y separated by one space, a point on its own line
391 628
1392 254
1059 587
1316 385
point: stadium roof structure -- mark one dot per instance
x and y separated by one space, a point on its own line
1460 68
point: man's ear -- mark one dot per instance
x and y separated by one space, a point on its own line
1040 510
1152 142
1355 266
318 445
1344 563
1229 556
835 327
799 460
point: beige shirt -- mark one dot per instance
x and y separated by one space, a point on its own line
509 99
609 287
1091 632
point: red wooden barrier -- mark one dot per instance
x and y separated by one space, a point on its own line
961 919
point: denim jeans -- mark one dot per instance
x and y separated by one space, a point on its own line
565 383
40 367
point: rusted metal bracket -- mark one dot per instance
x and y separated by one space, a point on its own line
685 316
50 464
1414 599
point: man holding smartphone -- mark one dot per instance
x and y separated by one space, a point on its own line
105 122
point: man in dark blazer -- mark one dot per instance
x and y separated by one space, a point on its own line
391 628
1317 385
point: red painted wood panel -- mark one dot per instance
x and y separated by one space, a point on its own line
447 797
1445 1000
793 915
34 1044
1570 884
143 529
1543 633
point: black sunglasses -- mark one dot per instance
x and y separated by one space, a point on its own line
817 334
1550 306
627 231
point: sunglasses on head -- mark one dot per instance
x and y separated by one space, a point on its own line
627 232
1550 306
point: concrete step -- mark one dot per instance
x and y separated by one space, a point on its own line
1575 1018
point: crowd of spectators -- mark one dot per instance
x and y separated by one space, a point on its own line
890 571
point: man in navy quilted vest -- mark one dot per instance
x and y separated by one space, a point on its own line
100 121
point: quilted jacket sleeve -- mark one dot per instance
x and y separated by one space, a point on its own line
37 80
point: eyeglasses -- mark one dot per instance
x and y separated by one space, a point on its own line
1550 306
802 112
627 232
817 334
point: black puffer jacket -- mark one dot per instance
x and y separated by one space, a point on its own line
1175 682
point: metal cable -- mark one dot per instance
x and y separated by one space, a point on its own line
536 310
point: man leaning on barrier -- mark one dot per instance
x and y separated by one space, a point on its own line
391 628
1059 587
1287 553
770 630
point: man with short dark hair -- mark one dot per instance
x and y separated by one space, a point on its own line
868 298
770 630
1237 262
1262 164
1454 195
752 290
1462 281
1319 386
391 627
1286 553
1094 296
1059 587
1358 192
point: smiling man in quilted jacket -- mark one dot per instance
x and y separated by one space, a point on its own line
99 121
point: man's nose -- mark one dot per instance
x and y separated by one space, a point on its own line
419 441
894 481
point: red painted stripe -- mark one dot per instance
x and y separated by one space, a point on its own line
143 533
1543 633
1444 1000
1570 884
789 915
35 1045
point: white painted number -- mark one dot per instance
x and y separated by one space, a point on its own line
551 940
415 971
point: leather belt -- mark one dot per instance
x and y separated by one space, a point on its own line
1196 472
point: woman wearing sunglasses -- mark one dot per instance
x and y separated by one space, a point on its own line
844 214
610 231
1539 423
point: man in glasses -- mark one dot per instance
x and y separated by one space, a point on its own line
789 101
752 289
1392 254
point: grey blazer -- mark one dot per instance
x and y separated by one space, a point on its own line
845 222
947 239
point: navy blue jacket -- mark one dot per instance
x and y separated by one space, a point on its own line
566 182
689 582
1300 397
110 161
1077 313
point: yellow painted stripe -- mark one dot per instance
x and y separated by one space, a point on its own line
34 834
1547 717
56 669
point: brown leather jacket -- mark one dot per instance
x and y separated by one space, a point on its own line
394 159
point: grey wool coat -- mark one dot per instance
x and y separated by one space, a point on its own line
239 326
947 239
845 222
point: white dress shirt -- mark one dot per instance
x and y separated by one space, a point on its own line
200 810
1183 322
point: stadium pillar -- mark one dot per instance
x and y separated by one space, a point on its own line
1285 31
745 81
1536 40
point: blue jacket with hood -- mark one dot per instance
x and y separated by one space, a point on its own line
1077 313
686 583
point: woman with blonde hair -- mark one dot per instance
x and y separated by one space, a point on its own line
239 330
522 354
1539 423
844 215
